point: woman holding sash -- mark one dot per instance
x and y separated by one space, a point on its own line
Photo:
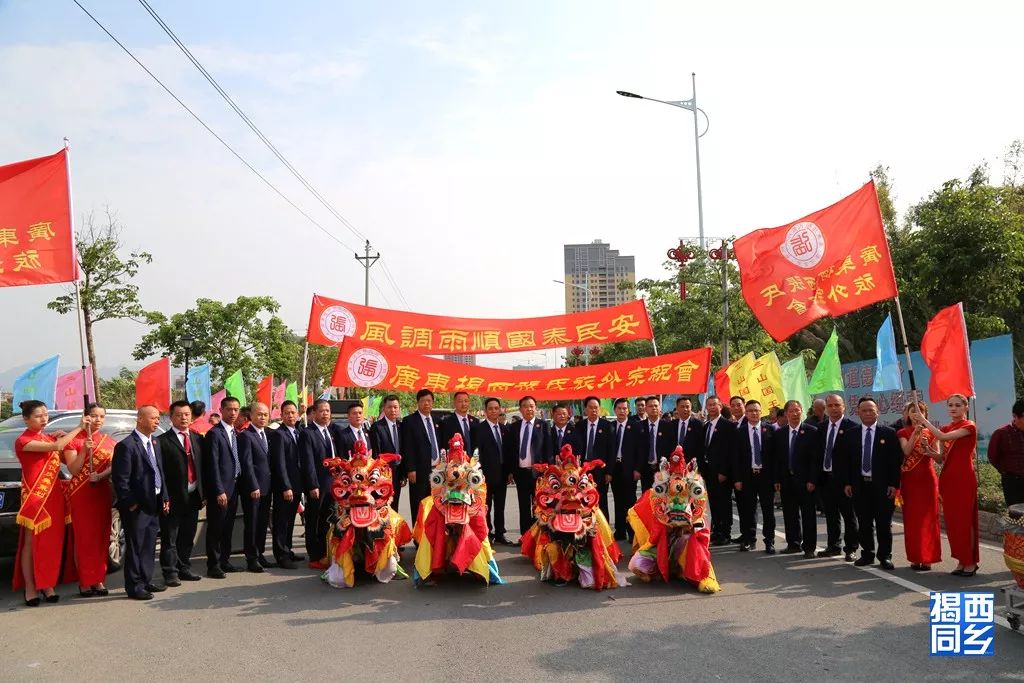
42 511
919 489
90 498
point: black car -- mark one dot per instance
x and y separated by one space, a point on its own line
118 424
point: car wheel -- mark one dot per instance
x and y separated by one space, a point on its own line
115 552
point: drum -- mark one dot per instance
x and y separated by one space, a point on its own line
1013 542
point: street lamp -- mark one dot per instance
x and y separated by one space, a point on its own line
690 105
186 342
586 307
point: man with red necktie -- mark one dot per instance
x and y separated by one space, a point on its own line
181 458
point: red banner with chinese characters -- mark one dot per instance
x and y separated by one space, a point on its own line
372 367
331 321
36 245
829 263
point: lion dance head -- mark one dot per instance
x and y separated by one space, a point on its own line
566 495
678 496
457 484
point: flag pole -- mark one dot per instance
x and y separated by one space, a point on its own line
78 291
305 356
906 351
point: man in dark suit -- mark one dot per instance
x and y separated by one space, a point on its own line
221 469
560 432
715 464
658 441
459 422
385 437
796 464
755 478
688 429
138 479
641 410
422 445
180 456
626 438
317 443
254 454
594 439
285 484
873 458
489 437
831 478
355 432
525 446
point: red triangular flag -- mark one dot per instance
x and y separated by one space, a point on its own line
265 391
722 387
946 351
153 385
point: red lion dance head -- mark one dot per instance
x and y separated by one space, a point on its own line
362 487
566 494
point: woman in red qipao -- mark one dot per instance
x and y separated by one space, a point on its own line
42 511
90 498
958 483
919 489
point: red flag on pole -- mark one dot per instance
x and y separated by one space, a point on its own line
265 390
828 263
153 385
36 244
946 351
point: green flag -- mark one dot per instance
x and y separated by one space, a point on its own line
828 373
375 404
606 407
235 386
291 392
794 382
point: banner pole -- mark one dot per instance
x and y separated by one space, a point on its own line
906 350
654 343
78 291
305 356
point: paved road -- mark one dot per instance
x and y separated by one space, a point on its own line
777 619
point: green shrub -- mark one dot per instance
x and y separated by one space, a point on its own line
990 489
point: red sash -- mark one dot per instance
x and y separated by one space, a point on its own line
102 455
918 453
33 512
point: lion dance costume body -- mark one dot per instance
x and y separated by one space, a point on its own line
451 526
670 536
367 531
571 539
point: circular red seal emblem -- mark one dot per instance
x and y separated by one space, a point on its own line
337 322
367 367
804 245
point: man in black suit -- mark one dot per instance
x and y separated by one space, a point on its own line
285 484
873 458
385 437
715 465
254 454
688 429
560 432
459 422
221 469
317 443
796 463
180 456
525 446
593 439
489 437
355 432
626 438
138 479
755 479
641 410
658 441
831 478
422 445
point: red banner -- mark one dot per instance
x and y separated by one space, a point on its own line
946 351
376 368
331 321
153 385
36 245
829 263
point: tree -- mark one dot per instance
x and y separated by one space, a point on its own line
107 288
119 391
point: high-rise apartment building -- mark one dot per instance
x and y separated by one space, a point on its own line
594 276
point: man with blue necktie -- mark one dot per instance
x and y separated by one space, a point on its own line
385 438
840 519
460 422
627 440
755 479
254 454
525 446
658 442
286 484
221 470
796 466
421 442
561 431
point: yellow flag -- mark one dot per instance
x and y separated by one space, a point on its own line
764 383
366 405
738 372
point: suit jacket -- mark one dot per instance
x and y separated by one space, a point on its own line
255 458
416 449
632 439
490 451
218 464
346 440
134 477
554 444
838 462
285 467
886 456
313 450
175 469
604 441
693 442
742 464
665 442
450 425
381 442
539 446
805 453
716 454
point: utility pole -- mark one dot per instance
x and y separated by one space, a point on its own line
367 262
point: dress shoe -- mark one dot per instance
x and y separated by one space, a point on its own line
887 565
745 548
769 548
808 554
284 563
791 549
87 593
254 567
921 567
189 576
229 568
172 582
738 539
216 573
560 582
620 537
503 540
152 588
143 595
721 541
848 557
830 552
298 558
864 561
264 562
101 591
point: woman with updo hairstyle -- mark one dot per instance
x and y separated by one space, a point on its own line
919 489
42 512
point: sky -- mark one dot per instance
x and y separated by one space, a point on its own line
468 141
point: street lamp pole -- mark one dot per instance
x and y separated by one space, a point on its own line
586 307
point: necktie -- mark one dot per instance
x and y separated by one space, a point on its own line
792 448
394 436
157 480
709 433
560 442
652 458
590 441
429 426
497 436
465 435
865 463
757 446
359 435
234 451
618 442
525 445
328 442
682 431
292 433
263 438
829 446
187 445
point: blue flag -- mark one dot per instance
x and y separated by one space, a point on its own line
887 372
326 396
197 384
39 382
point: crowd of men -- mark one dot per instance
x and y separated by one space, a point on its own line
849 469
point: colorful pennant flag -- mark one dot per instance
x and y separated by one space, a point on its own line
235 387
887 370
275 410
828 373
197 385
69 395
291 393
946 351
764 382
153 385
794 382
38 383
732 381
265 391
